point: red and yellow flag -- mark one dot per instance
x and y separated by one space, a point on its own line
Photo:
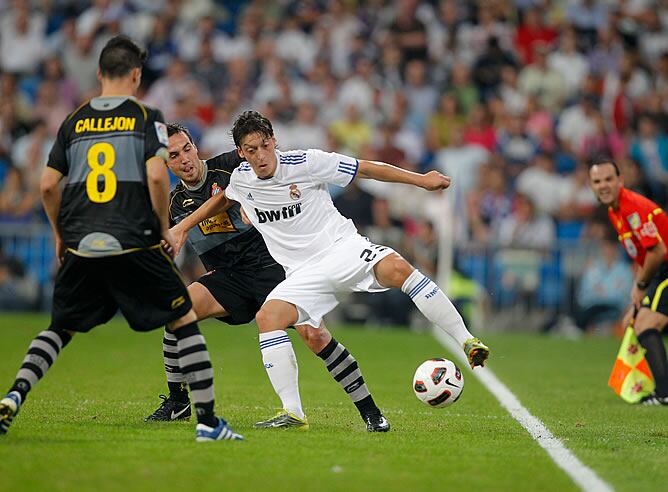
631 377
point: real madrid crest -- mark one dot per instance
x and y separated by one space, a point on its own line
295 194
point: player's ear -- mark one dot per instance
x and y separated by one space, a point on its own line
98 74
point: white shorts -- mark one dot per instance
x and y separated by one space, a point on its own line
346 266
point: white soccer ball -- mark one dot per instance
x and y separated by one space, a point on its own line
438 383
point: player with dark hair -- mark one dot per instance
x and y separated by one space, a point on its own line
108 223
285 196
241 273
641 226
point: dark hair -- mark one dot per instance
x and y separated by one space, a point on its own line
119 56
174 128
251 122
599 161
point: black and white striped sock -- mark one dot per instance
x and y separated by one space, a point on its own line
196 368
178 389
344 369
42 353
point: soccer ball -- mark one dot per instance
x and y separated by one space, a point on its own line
438 383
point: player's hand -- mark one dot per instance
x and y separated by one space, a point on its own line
61 249
433 181
167 243
637 295
179 236
244 217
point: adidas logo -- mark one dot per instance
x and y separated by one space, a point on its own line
250 197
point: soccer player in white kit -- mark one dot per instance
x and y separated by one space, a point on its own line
285 196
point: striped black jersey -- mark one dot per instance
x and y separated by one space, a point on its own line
223 241
102 149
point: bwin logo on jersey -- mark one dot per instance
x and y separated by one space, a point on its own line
276 215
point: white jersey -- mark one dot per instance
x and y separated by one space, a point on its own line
293 209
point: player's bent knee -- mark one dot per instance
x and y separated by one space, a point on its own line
393 271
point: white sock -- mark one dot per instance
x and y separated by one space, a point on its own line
436 307
280 362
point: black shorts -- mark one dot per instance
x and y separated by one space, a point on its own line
242 293
657 292
145 285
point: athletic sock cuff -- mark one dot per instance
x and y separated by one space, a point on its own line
649 333
186 331
329 348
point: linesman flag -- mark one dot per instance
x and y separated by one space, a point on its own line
631 377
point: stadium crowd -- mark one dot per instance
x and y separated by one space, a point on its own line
511 98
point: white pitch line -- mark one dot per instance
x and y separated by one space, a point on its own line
581 474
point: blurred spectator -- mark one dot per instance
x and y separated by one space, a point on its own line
385 229
588 16
352 131
160 49
358 89
421 95
17 201
526 226
569 62
80 60
514 100
356 205
650 149
461 161
463 88
443 123
18 291
479 130
22 39
305 132
540 125
386 149
542 81
425 249
488 204
606 55
515 145
601 141
634 178
50 107
654 40
409 32
577 123
217 138
65 87
602 294
171 86
488 66
546 189
531 33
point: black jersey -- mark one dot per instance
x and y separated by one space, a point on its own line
222 241
102 149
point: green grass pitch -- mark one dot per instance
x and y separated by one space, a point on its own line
82 428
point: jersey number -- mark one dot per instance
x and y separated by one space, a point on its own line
97 169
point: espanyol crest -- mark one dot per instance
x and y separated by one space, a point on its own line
215 189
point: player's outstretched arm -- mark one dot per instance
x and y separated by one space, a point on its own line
381 171
49 188
212 207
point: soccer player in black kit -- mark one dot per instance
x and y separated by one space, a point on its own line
241 273
108 223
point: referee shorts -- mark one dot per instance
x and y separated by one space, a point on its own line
656 298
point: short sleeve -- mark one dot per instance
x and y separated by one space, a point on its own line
57 156
231 190
642 223
649 232
156 138
331 167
